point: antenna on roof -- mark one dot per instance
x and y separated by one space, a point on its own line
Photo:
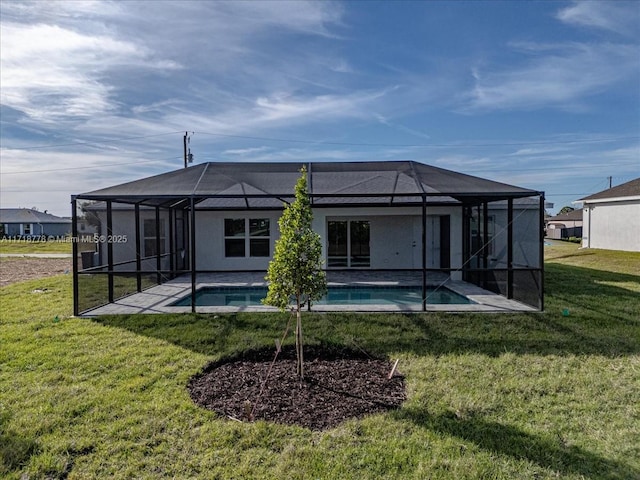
188 156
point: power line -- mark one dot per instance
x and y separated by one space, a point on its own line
91 167
568 167
352 144
459 145
97 142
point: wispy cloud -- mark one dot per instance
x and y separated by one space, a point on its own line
49 72
553 76
64 61
244 151
618 17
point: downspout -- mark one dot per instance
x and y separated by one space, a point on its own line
589 230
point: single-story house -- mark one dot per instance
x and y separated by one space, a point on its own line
27 222
565 225
378 217
611 218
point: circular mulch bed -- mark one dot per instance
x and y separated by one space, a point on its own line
339 384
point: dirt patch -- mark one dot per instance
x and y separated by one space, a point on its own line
339 384
18 269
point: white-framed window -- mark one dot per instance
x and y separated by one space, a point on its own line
150 235
247 237
26 229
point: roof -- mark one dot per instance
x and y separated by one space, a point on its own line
572 216
265 185
629 189
28 215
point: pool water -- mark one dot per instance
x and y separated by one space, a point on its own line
246 296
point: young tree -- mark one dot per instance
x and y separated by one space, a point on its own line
295 274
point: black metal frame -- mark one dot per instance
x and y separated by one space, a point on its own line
188 205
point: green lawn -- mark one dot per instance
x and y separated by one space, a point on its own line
52 246
542 395
24 246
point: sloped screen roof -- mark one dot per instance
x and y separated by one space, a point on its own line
219 185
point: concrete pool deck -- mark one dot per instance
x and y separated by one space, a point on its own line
158 299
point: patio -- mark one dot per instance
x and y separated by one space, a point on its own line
158 299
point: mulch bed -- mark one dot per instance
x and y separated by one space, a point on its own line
339 384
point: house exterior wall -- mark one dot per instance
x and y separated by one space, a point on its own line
123 239
612 225
395 236
46 229
210 240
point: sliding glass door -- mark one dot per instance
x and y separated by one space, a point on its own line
348 243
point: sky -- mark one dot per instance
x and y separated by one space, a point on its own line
541 94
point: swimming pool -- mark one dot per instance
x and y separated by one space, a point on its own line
337 295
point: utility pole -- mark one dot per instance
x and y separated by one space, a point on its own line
184 142
610 179
188 156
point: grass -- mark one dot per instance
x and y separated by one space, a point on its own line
543 395
24 246
52 246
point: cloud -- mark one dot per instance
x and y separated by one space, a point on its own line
618 17
244 151
70 61
49 72
555 76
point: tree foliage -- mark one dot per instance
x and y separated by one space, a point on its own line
566 209
295 274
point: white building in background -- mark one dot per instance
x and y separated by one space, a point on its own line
611 218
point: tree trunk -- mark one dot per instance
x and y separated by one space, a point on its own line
299 354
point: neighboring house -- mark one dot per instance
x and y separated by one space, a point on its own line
26 222
375 216
611 218
565 225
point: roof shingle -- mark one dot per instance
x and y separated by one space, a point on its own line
629 189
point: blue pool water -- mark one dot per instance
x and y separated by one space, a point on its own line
244 296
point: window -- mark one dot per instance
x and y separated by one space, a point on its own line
259 237
150 236
234 237
348 243
236 241
360 254
26 229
